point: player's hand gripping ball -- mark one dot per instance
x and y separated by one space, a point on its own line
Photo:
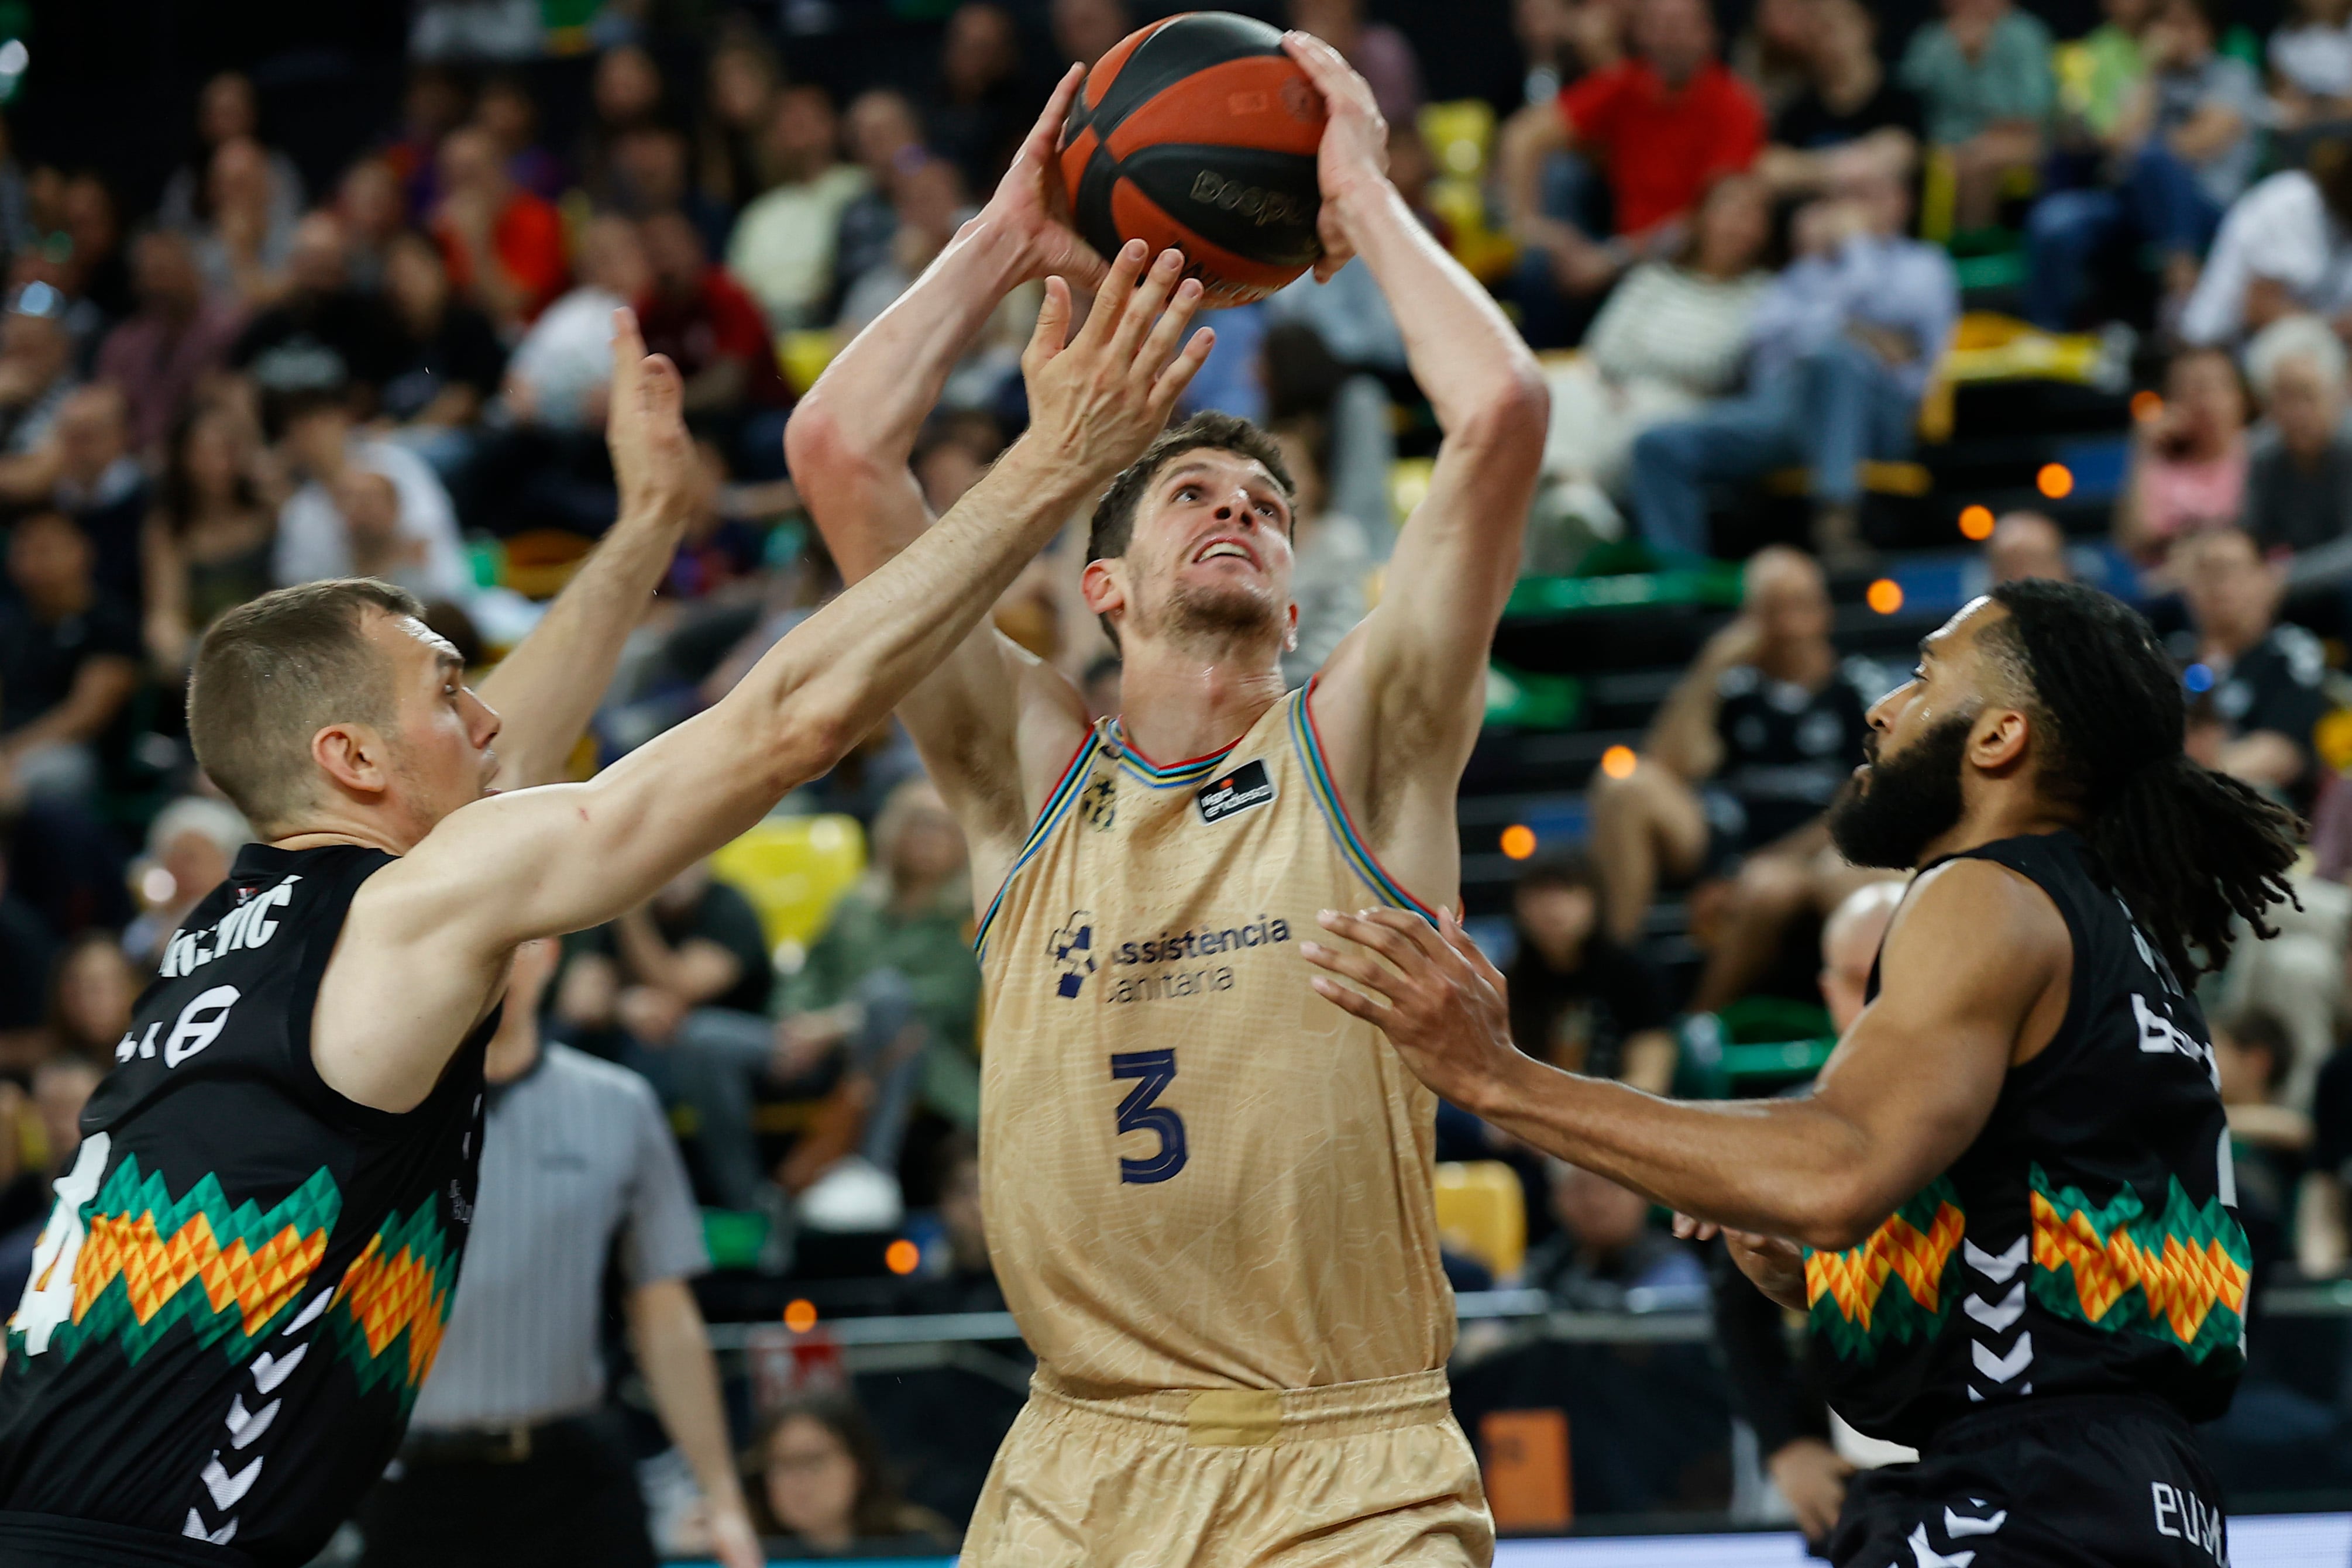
1199 132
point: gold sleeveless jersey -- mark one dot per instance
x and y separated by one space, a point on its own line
1197 1172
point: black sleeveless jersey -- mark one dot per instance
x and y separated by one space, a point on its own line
2085 1243
245 1274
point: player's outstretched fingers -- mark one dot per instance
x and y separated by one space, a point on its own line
1168 330
1051 335
1180 371
1371 1009
1689 1230
1045 137
1404 937
1449 926
1117 294
628 352
661 390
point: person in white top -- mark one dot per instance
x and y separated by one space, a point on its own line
561 373
314 540
2285 246
2311 66
783 248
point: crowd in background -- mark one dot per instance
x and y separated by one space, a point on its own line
1746 235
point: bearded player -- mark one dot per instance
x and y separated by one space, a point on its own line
1207 1191
2007 1207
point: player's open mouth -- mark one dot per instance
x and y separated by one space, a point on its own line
1225 547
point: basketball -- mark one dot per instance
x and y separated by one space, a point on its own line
1199 132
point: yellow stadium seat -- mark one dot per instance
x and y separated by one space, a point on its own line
793 868
803 356
1481 1211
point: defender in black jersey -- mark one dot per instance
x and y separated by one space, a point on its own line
2007 1207
245 1274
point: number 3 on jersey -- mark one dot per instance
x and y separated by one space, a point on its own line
1154 1071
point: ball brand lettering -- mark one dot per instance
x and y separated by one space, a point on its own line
247 926
1255 203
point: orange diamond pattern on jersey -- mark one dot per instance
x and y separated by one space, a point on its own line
1856 1279
386 1291
2182 1280
154 1268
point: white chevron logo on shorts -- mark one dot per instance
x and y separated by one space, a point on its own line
310 1314
1926 1556
1997 1269
1998 1317
270 1371
2000 1369
245 1426
229 1491
1957 1525
195 1530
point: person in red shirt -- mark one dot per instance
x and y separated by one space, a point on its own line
1661 126
714 331
504 245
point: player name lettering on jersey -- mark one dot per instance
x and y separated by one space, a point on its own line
2185 1516
247 926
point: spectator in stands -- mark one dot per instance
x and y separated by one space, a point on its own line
2188 467
2311 68
375 212
509 1457
27 948
91 998
226 111
1983 75
879 1020
711 330
1664 123
1606 1248
627 985
2184 149
1850 943
652 176
1084 30
2254 683
1841 349
978 109
161 353
2094 96
319 446
96 481
61 1088
559 373
320 328
207 544
927 203
1771 717
2299 459
435 102
963 1281
190 846
504 247
1773 52
822 1487
739 102
783 246
36 372
1672 336
69 663
1564 40
449 360
627 94
1381 55
1334 553
2252 1053
1845 112
886 138
244 243
1579 1000
2323 1238
505 107
2285 246
2026 544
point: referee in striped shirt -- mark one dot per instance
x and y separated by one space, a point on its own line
506 1461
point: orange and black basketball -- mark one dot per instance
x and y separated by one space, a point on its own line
1199 132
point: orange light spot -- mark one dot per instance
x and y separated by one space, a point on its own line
2056 480
902 1256
1618 762
2146 406
1518 841
799 1316
1885 597
1976 522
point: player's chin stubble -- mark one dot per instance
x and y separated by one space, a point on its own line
1912 799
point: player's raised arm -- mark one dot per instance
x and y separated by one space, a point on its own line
1975 952
1409 679
427 936
990 716
548 687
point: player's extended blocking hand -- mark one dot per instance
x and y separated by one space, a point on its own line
1441 1004
1095 400
1354 153
1031 205
645 426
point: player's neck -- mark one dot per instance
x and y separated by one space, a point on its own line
341 824
2008 809
1177 703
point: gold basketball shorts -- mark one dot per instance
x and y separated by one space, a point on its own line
1353 1475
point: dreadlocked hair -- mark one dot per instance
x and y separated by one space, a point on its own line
2185 847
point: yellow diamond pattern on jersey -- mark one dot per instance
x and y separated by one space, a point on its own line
1848 1291
2191 1265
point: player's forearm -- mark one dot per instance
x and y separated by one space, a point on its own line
1782 1167
1481 381
673 1350
546 691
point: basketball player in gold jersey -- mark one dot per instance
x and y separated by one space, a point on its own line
1207 1189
